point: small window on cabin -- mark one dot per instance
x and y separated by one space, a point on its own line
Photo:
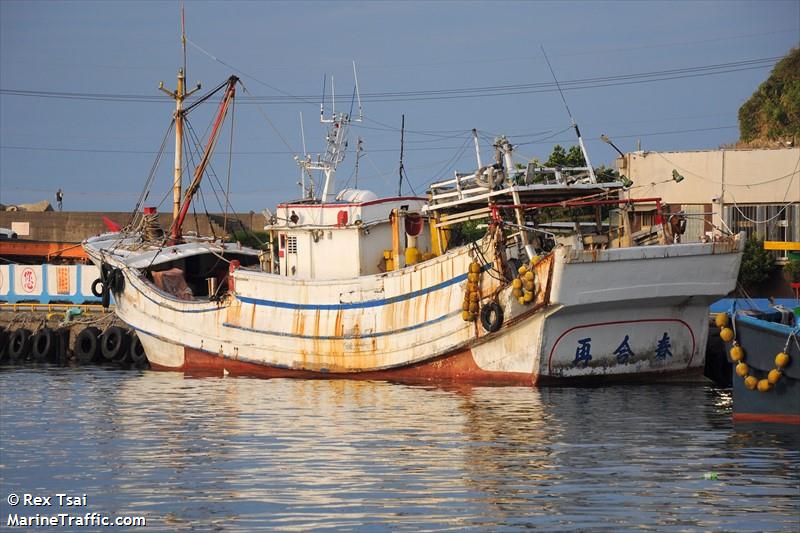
291 245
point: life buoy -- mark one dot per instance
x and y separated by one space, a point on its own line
43 345
19 344
114 344
491 316
87 347
136 351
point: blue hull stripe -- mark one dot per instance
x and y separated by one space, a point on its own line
359 305
345 337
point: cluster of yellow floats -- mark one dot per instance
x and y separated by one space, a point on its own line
523 288
472 296
737 355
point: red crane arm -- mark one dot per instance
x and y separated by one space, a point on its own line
230 92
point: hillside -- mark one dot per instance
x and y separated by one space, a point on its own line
773 112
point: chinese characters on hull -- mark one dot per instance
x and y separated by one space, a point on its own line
624 354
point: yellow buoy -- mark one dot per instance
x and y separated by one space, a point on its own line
774 375
742 369
750 382
726 334
535 260
517 283
528 297
473 297
465 306
472 287
473 307
522 270
474 267
764 385
473 277
781 360
529 276
466 315
721 320
521 300
517 293
737 354
528 286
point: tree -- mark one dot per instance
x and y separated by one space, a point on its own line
562 158
757 263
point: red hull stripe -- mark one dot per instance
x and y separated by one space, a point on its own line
774 419
458 366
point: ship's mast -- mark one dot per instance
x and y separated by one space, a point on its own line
179 95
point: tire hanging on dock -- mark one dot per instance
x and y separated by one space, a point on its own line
43 345
136 352
114 344
19 345
87 346
3 344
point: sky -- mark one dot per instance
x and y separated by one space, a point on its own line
80 107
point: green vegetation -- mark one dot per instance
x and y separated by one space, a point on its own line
251 238
467 232
757 263
773 112
792 268
573 157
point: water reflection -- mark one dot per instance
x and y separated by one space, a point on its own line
243 454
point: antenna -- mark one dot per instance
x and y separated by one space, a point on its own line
572 119
322 100
183 37
477 147
401 169
333 98
302 169
358 93
358 157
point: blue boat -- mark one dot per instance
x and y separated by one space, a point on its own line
764 349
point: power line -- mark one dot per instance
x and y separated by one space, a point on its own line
417 149
445 94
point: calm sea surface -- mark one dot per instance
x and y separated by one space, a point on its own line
239 454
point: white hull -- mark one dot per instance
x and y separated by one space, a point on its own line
637 312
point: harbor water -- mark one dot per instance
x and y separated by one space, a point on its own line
234 454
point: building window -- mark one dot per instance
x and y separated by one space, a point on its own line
291 245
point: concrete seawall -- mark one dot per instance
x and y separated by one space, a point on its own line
74 226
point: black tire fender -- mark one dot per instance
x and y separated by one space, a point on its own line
117 280
114 344
136 351
43 345
87 345
3 344
98 291
105 298
491 317
19 344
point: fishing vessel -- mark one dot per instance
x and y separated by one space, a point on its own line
764 349
362 287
